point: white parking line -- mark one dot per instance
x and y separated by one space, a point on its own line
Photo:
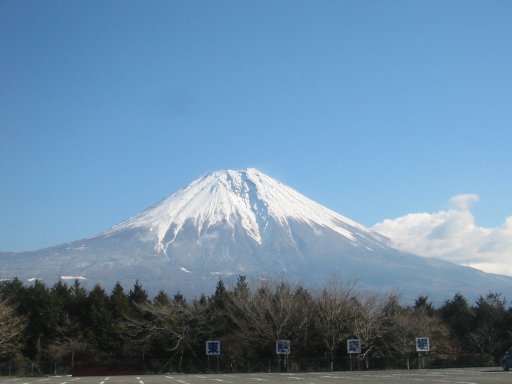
454 382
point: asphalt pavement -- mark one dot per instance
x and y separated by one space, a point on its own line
426 376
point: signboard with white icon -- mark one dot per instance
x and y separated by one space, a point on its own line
422 344
283 347
354 346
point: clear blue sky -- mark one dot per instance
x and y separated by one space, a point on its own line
375 109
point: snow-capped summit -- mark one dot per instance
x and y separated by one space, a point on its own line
243 222
248 198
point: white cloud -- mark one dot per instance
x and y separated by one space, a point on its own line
463 202
452 235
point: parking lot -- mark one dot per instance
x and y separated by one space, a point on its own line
446 376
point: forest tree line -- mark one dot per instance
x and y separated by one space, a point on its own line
72 324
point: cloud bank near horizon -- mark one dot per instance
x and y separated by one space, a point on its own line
452 235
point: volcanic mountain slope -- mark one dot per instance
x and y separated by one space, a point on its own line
230 223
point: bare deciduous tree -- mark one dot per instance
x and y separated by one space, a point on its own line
11 328
489 324
70 340
271 313
398 329
267 313
367 324
175 321
335 316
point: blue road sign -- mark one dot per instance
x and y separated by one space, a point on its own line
213 347
283 347
354 346
422 344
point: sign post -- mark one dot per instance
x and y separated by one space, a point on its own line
353 347
283 348
422 345
213 349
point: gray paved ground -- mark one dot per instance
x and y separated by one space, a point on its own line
437 376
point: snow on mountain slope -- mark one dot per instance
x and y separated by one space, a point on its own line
248 197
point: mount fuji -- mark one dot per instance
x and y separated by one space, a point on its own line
243 222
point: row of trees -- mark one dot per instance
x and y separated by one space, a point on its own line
70 323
